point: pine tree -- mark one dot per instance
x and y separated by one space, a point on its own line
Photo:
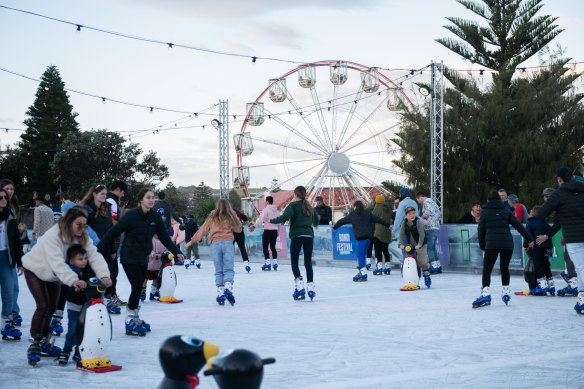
512 133
50 120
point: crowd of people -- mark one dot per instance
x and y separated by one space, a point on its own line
82 239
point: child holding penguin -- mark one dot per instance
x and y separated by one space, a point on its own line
412 232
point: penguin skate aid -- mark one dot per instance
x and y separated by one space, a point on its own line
412 233
45 268
221 224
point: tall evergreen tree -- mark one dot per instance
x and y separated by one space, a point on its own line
50 120
512 133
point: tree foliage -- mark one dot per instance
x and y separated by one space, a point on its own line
176 198
234 199
203 202
511 133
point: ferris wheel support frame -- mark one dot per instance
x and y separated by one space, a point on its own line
437 135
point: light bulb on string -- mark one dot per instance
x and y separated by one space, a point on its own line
170 46
103 100
151 109
78 28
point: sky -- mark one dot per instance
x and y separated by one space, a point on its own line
374 33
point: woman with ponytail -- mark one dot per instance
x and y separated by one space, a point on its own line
302 220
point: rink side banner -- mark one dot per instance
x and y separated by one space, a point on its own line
344 243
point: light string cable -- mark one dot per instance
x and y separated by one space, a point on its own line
170 45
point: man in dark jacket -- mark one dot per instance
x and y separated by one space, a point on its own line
190 228
568 203
323 211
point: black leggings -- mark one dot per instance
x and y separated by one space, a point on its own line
489 261
381 248
370 249
136 275
541 256
62 298
305 243
269 237
112 265
239 238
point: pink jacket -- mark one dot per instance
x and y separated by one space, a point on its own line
179 235
269 212
157 249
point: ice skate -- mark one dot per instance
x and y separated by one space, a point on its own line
310 290
579 307
387 268
118 301
48 348
275 264
16 319
368 263
571 290
187 263
506 295
134 325
361 275
143 294
228 292
564 275
378 269
9 331
112 308
198 263
540 289
427 279
484 299
435 267
55 327
154 293
247 267
34 351
63 358
299 292
220 295
551 286
267 266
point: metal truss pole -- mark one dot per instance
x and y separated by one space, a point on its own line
437 135
224 149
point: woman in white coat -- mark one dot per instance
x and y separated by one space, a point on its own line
45 268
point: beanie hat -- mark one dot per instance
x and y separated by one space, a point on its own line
405 192
379 199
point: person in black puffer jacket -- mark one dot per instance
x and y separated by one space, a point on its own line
541 254
361 219
495 240
568 202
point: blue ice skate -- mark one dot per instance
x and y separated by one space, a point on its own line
387 269
56 327
506 298
310 288
538 291
135 327
112 308
48 349
9 331
427 279
482 301
579 308
16 319
187 264
568 291
228 293
361 276
275 264
179 263
247 267
267 266
63 358
155 295
33 353
220 300
378 269
198 263
564 275
143 294
299 294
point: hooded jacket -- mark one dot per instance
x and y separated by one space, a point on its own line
568 202
493 229
269 212
361 223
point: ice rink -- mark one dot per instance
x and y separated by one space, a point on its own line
353 335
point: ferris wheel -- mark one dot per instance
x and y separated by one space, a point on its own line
325 125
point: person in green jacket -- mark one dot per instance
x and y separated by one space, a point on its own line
382 236
302 220
140 224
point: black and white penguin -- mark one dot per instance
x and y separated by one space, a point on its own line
238 369
93 332
410 272
166 279
181 358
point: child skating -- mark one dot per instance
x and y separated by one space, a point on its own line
412 233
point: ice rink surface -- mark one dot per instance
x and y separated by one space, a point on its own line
353 335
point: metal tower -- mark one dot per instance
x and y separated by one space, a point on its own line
437 135
223 129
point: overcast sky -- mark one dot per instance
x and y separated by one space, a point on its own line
388 34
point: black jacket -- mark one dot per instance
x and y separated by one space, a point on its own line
325 213
100 224
361 224
493 229
13 241
536 226
139 227
468 218
568 202
190 228
79 297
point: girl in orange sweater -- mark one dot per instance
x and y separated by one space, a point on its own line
221 224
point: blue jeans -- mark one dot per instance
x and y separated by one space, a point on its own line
304 243
362 246
222 252
432 237
576 251
73 316
6 284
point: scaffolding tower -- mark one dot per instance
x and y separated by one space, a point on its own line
437 135
223 129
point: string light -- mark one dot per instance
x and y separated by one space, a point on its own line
253 59
151 109
103 100
78 28
170 46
